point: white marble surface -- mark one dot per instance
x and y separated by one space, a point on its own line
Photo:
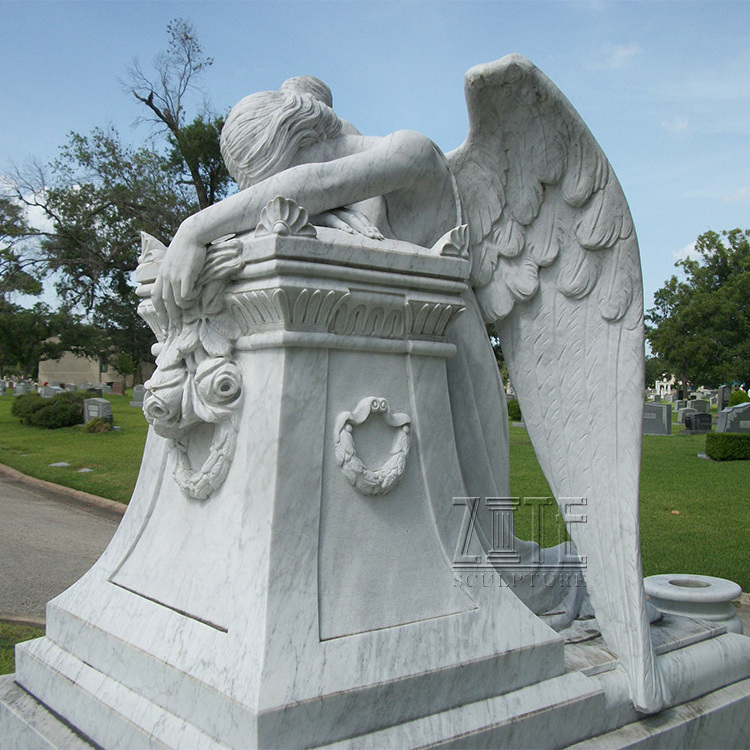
697 596
288 606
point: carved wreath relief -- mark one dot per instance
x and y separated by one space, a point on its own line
378 481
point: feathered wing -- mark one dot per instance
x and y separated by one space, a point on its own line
555 266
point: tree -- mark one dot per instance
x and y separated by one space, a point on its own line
700 325
195 145
17 273
100 194
129 339
26 336
99 198
655 368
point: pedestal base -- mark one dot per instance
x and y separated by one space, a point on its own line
585 708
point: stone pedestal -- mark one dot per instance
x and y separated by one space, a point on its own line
309 599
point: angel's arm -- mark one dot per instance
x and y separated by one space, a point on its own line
400 161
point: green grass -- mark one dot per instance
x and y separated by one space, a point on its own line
114 456
710 534
10 634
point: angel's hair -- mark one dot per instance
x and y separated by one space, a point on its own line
264 131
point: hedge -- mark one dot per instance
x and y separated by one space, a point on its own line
63 410
728 446
514 410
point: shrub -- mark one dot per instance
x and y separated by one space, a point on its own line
514 410
728 446
24 407
98 425
738 397
62 410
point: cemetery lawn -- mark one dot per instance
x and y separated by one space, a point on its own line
115 457
10 634
709 536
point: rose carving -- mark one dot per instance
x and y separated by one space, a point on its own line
197 380
217 386
163 401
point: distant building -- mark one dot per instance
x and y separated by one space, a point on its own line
77 369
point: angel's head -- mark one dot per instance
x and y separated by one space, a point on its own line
264 131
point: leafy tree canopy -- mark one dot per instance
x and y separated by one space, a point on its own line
100 194
700 325
16 273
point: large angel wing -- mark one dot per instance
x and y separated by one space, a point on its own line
555 266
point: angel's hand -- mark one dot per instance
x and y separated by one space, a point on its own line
348 220
175 287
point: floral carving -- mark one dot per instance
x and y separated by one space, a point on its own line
197 380
378 481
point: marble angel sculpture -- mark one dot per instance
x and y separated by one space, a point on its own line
554 266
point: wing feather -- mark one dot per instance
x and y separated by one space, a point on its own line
555 266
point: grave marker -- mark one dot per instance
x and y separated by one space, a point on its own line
657 419
97 408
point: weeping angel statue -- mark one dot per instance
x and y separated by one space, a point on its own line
554 267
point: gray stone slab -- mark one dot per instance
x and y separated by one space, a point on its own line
138 393
735 419
657 419
97 408
725 393
698 422
682 413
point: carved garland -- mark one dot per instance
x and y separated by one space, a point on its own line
378 481
197 380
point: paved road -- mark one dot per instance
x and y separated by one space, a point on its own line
47 542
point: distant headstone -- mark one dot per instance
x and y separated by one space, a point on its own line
698 422
138 392
48 391
725 392
680 404
735 419
118 389
682 413
657 419
97 408
2 388
714 400
104 388
21 389
71 388
94 392
701 405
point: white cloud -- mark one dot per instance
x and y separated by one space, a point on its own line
38 219
675 124
615 56
741 195
688 251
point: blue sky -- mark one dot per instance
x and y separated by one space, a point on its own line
664 86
